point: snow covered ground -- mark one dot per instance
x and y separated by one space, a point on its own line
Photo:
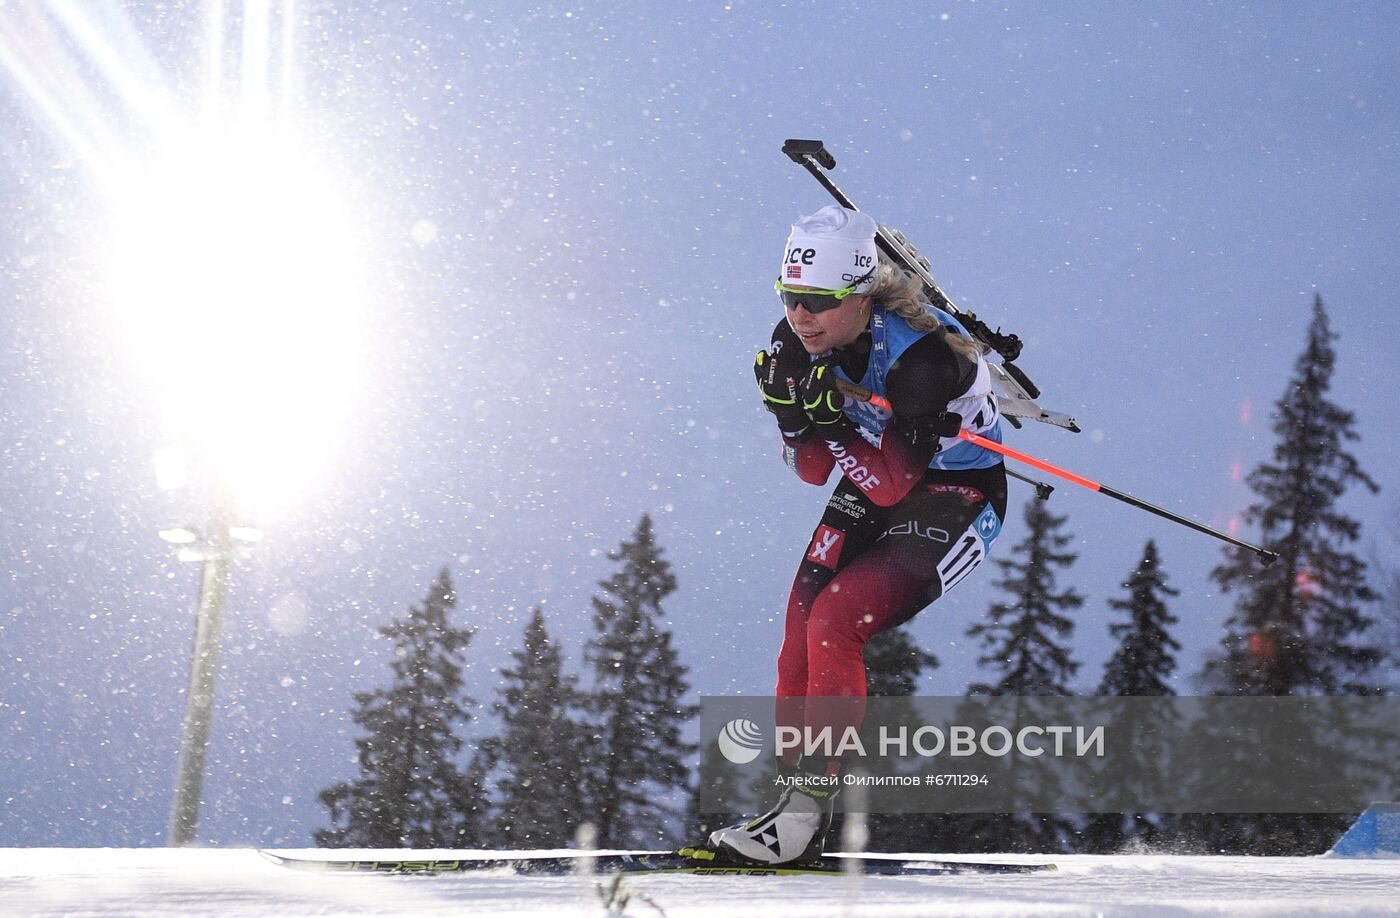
227 883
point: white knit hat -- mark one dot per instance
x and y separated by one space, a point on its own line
830 250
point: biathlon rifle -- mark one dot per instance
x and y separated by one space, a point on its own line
1016 394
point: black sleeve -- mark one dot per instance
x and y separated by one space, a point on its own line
921 383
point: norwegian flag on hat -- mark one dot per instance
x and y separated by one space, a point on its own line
837 248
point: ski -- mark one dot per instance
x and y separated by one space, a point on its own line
654 862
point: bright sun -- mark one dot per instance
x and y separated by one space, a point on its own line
235 268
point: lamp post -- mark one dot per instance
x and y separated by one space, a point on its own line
234 267
216 549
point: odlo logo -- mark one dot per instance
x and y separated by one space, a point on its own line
740 741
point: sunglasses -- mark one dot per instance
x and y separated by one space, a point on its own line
815 301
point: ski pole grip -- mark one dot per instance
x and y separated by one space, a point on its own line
861 394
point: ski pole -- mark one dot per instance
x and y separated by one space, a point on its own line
1264 555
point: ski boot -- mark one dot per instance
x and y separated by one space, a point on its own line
793 831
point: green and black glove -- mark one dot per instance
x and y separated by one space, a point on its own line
778 371
823 402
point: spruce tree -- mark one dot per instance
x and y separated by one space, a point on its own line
1300 624
637 707
410 792
1025 645
535 757
1142 665
1025 638
1143 661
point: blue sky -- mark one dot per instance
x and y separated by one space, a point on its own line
1148 194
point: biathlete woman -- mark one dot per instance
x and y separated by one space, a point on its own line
916 509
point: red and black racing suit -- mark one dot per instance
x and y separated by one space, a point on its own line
874 559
